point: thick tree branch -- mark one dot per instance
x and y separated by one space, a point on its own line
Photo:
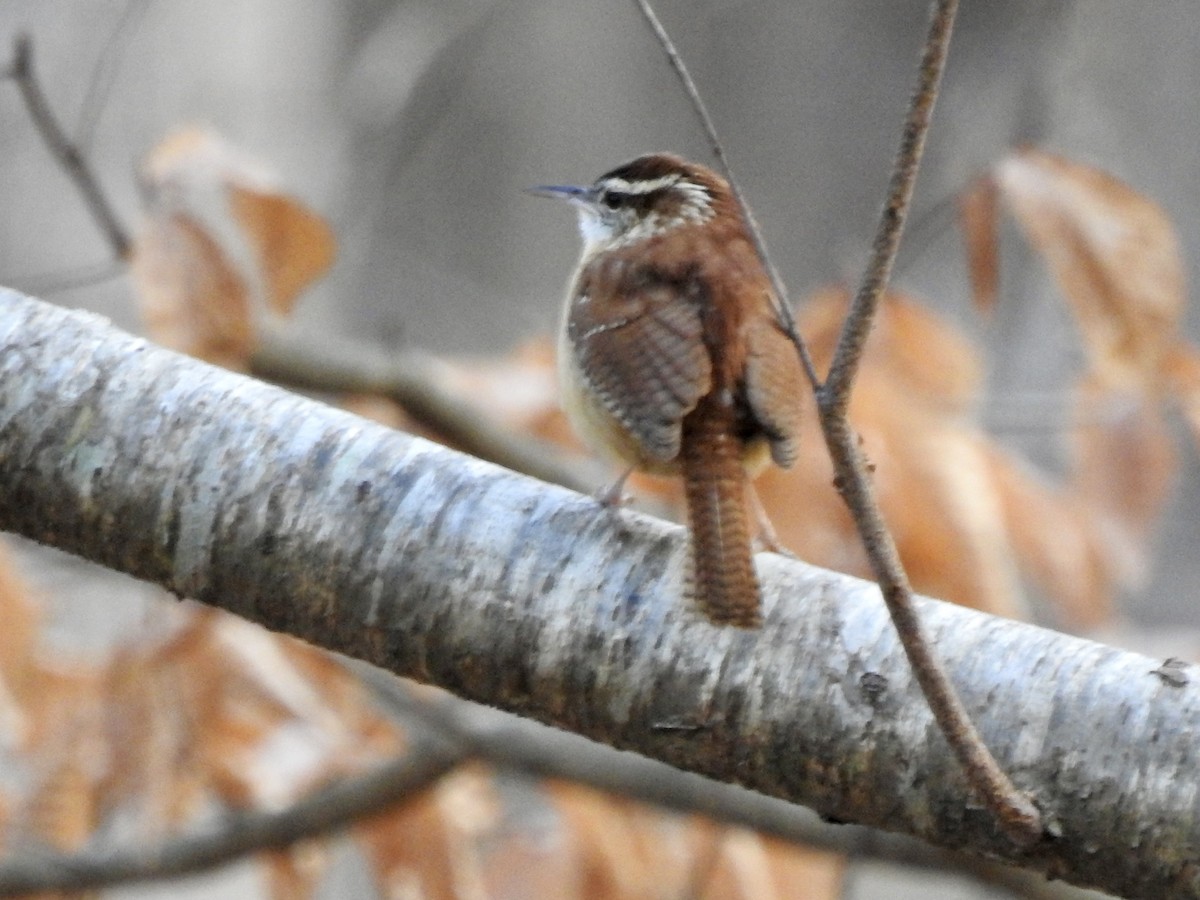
515 744
388 548
410 379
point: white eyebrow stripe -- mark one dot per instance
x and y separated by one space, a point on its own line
622 186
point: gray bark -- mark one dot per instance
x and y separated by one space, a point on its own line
507 591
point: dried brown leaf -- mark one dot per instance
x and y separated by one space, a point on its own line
18 642
1183 379
380 409
1083 539
33 729
913 395
1114 255
192 298
1123 465
293 245
218 711
615 845
483 833
220 248
1056 542
520 390
977 218
626 850
910 346
433 845
1116 258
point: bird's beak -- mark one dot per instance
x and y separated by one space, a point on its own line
577 194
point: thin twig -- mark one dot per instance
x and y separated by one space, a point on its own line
1015 812
924 229
835 393
104 74
783 307
67 154
333 807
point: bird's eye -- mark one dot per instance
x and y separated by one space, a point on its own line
611 199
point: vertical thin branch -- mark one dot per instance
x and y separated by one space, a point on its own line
835 393
783 307
1016 813
67 153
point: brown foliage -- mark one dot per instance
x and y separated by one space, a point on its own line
209 716
1115 258
1113 254
213 711
977 217
219 248
912 407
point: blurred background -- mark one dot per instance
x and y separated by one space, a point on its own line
414 126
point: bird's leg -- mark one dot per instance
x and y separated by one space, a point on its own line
613 496
766 538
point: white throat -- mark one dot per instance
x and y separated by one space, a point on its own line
595 231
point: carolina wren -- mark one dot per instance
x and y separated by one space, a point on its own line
671 359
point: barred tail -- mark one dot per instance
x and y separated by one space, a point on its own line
714 482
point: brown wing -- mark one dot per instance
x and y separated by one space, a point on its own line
642 354
775 386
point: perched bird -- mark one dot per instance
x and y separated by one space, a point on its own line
672 360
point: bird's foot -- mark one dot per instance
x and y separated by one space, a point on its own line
613 497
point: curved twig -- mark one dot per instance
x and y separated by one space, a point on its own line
335 806
1015 812
104 73
783 307
68 154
